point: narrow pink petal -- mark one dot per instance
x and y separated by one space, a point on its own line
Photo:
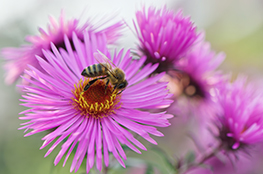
105 147
74 135
91 148
148 69
98 147
111 144
135 127
128 135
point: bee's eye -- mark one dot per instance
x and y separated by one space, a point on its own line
122 85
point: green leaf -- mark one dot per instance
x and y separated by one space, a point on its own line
168 160
136 162
125 148
190 157
149 170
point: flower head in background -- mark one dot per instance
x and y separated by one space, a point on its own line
18 59
196 79
98 120
240 120
237 130
164 37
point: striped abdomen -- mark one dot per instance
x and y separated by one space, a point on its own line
94 70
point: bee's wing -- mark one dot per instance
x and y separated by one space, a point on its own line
102 59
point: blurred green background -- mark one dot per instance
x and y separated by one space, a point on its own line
234 27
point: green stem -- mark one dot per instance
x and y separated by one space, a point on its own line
105 170
202 160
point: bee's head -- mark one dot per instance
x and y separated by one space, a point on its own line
122 85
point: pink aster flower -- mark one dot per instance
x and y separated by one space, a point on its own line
196 79
240 120
98 119
213 155
18 58
164 36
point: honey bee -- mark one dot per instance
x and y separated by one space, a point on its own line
107 70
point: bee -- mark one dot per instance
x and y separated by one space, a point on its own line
105 69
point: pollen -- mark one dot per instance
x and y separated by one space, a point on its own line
96 101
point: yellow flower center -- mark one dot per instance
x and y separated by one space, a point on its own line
96 101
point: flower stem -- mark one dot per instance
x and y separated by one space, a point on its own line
105 170
202 160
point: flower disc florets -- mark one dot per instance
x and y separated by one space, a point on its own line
96 101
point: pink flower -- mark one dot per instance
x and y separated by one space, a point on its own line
96 121
197 77
18 59
164 36
240 120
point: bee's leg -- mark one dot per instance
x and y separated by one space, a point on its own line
91 82
120 92
106 86
114 88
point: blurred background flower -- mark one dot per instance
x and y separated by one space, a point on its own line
18 59
165 36
234 27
